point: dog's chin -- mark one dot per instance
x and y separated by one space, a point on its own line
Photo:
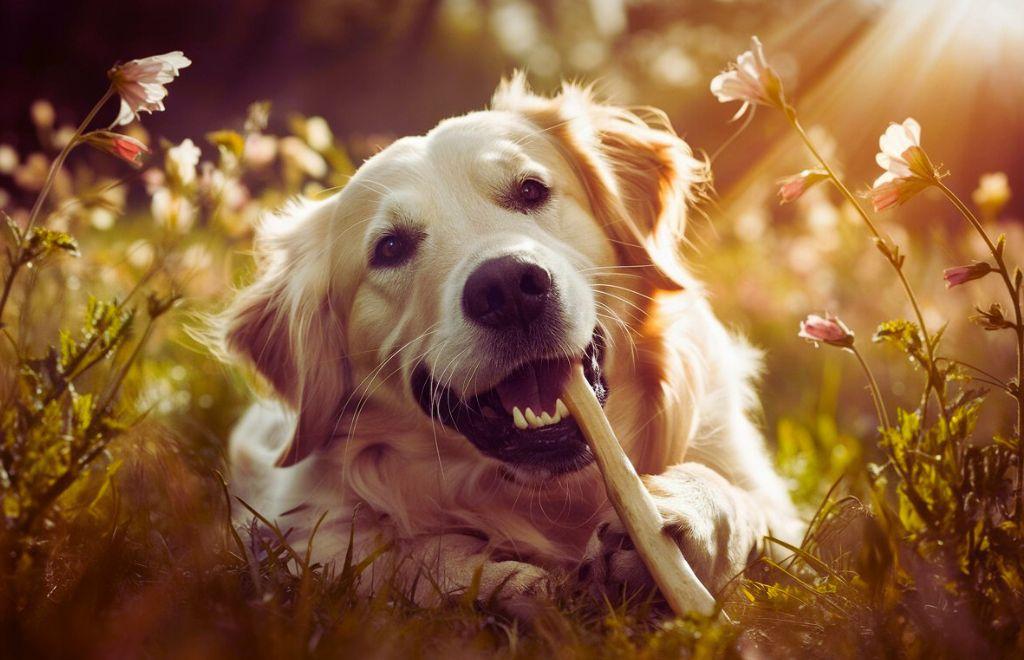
521 421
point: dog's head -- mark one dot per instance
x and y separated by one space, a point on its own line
460 274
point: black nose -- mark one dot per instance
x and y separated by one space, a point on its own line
507 291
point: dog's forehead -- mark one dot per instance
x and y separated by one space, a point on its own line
480 150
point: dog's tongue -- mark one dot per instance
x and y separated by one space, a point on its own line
536 386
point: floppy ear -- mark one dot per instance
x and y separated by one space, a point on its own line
639 175
286 325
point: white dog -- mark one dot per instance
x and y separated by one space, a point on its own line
419 326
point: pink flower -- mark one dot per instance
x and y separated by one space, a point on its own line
960 274
749 79
124 147
829 330
908 170
140 83
791 188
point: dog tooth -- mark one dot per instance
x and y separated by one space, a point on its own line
560 409
556 418
532 419
546 419
518 419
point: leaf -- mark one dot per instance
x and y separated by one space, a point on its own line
230 140
12 226
904 334
42 241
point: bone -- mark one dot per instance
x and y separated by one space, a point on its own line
635 506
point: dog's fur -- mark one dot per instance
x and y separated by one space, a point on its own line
338 341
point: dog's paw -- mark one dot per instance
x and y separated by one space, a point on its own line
516 588
715 525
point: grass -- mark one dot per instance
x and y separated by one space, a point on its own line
117 543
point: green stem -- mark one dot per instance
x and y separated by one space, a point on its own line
876 394
1014 291
850 197
18 260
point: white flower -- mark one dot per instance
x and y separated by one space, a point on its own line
992 193
318 134
172 211
140 83
181 162
907 167
749 79
295 151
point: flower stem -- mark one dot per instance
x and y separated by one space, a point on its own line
1013 289
17 261
61 157
896 265
876 394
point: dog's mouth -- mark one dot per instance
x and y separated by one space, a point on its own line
522 420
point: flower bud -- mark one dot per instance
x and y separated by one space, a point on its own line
828 330
960 274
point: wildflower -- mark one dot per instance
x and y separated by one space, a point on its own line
749 79
295 152
961 274
992 193
63 136
141 254
102 218
172 210
908 169
42 114
318 134
124 147
140 83
829 330
8 159
181 163
791 188
260 150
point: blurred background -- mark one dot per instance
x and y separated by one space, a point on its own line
344 77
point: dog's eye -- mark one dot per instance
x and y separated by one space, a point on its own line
392 250
531 194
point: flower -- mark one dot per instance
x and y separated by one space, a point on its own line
8 159
992 193
749 79
792 187
124 147
297 154
908 170
172 211
829 330
181 163
961 274
140 83
42 114
318 134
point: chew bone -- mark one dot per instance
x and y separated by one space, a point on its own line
635 506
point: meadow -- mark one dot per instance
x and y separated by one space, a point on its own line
891 394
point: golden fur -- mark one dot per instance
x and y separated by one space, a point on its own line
338 342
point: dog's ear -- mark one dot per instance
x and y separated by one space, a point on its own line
638 174
286 325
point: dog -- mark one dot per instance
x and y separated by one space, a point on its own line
417 329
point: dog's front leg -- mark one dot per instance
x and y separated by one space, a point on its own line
718 526
450 566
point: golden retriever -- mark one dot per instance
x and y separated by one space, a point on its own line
418 328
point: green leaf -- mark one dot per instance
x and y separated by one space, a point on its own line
902 333
42 242
230 140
